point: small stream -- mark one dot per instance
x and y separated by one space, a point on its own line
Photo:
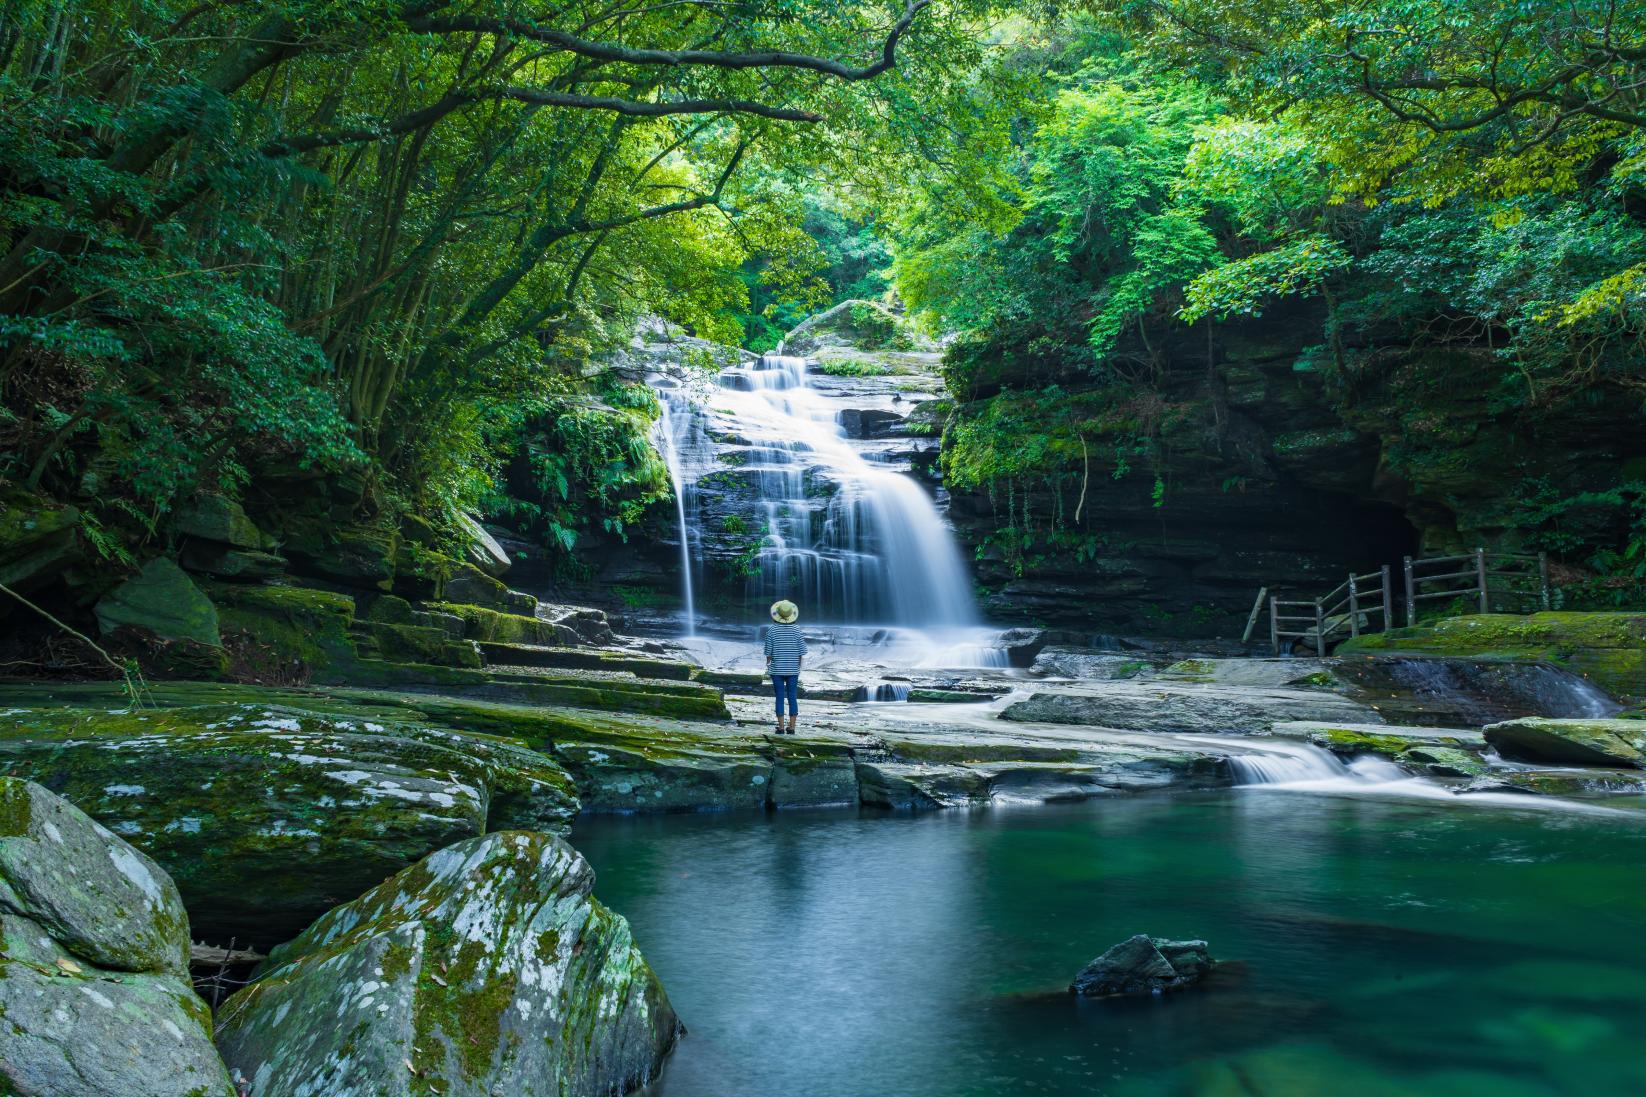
1383 947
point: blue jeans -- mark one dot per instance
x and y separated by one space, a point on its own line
786 685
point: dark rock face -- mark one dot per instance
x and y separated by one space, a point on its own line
1143 965
1274 473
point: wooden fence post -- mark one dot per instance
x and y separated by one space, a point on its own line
1257 608
1388 600
1411 596
1543 579
1480 572
1354 607
1274 626
1320 629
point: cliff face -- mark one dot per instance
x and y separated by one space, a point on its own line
1278 467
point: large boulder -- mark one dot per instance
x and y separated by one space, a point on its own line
163 602
94 944
1571 742
268 816
485 969
1143 965
1022 645
482 549
219 518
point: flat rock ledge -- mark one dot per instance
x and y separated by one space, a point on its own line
1186 708
1143 965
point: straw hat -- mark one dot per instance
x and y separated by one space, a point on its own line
785 612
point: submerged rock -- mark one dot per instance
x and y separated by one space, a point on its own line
1571 742
1143 965
485 969
269 816
94 949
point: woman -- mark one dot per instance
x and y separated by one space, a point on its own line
785 647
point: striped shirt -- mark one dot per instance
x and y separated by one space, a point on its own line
784 647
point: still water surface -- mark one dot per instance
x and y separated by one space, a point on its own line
1384 948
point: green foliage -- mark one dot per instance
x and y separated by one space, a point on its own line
583 466
851 367
366 240
1240 287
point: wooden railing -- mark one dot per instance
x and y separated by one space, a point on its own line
1490 580
1499 581
1361 603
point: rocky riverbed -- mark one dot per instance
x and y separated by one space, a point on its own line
369 824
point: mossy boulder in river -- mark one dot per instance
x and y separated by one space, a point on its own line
94 999
485 969
269 816
1571 742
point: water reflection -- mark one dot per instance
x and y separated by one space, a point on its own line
1384 947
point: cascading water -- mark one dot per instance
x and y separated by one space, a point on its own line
671 456
762 456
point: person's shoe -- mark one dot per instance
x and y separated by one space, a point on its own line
791 724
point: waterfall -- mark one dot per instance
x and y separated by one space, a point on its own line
667 446
1283 762
767 483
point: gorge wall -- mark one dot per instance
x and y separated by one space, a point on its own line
1274 465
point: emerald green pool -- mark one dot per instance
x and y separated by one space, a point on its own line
1379 947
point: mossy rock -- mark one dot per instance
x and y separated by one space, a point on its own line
221 519
1615 743
1560 782
239 565
391 609
497 627
75 1029
97 896
948 696
576 658
417 644
468 585
288 633
94 946
352 556
39 540
487 968
1608 648
266 815
162 603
